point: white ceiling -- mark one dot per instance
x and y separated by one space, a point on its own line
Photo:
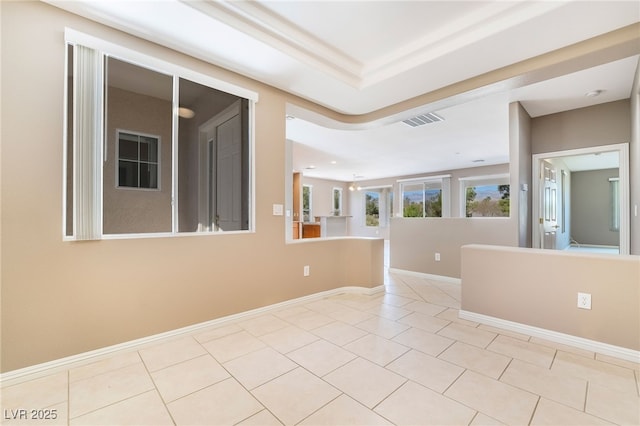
356 57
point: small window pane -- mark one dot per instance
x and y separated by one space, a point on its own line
128 174
148 176
128 148
148 149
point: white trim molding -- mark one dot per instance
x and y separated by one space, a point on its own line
443 278
554 336
51 367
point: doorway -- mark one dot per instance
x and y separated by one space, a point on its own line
580 199
221 174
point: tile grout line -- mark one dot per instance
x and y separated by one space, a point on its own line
533 413
155 386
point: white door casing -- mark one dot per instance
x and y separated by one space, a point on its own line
623 171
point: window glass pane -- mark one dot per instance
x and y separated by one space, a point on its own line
487 200
128 147
128 173
138 115
306 203
148 149
148 175
413 200
143 189
433 202
372 208
213 156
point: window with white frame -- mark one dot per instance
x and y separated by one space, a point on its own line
485 196
138 160
136 122
378 205
337 201
425 197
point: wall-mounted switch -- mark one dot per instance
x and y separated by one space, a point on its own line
437 257
278 209
305 270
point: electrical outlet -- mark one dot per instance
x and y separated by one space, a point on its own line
437 257
584 300
305 271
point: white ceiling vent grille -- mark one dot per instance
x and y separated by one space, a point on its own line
421 120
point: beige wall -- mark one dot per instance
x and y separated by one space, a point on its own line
63 298
604 124
520 169
591 208
322 196
414 241
545 294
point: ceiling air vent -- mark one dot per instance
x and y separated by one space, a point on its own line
421 120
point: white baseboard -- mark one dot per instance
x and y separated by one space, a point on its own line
51 367
554 336
442 278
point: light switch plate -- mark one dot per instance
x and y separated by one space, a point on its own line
278 209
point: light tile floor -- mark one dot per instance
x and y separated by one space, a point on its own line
399 357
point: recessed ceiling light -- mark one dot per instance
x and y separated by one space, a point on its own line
480 160
334 162
593 93
186 112
310 167
290 117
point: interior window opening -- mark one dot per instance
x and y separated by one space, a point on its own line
151 152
